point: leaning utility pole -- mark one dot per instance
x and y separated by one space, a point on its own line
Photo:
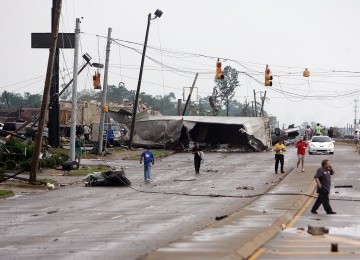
103 104
255 103
189 96
74 92
262 105
45 100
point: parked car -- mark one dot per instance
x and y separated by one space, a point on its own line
321 145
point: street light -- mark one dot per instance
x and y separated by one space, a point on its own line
158 13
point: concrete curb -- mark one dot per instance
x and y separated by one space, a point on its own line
267 234
246 230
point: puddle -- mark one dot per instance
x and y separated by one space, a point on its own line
345 231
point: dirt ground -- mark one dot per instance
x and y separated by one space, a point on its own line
61 177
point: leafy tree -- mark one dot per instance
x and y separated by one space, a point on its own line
228 85
16 100
32 100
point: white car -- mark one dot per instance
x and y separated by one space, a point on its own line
321 144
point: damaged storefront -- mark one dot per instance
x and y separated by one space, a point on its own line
248 133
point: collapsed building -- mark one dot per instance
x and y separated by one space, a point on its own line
249 133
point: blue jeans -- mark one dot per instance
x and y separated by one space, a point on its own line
147 171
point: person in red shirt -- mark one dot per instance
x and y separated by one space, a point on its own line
301 146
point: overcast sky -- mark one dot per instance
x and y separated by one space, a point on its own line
321 35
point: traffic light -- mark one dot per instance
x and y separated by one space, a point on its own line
268 77
96 80
219 74
306 73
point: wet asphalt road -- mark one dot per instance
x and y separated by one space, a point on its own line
78 222
344 227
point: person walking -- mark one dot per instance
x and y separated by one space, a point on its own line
279 150
149 159
197 157
78 149
323 182
301 146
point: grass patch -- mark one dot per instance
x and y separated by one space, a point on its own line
6 193
43 181
89 169
59 151
158 153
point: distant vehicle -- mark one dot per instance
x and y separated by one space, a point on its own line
321 145
287 135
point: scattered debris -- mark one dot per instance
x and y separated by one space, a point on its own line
50 186
108 178
193 179
245 187
221 217
70 165
283 226
334 247
52 211
211 170
317 231
343 186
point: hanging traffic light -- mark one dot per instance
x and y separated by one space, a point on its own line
96 80
219 74
268 77
306 73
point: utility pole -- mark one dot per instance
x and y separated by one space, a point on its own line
133 116
255 103
355 110
262 105
43 40
179 107
74 92
158 13
44 104
189 96
103 104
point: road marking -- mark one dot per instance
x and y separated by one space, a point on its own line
257 253
117 217
315 253
314 246
69 231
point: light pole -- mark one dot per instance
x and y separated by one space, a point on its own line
158 13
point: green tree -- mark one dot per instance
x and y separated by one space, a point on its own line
228 85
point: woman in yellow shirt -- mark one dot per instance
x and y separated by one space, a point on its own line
279 150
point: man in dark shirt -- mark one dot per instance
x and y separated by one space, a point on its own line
331 132
323 181
197 157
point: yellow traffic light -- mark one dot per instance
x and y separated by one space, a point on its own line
306 73
268 77
219 74
96 80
